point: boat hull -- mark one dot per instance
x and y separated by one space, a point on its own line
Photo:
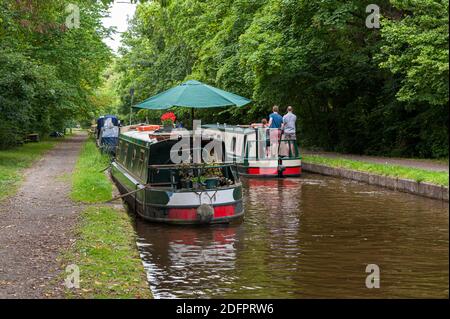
179 207
271 168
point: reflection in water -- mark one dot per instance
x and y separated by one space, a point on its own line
306 237
189 258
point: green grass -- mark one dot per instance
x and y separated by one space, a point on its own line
89 184
419 175
14 161
106 255
105 249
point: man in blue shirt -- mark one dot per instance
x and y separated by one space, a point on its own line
275 119
275 122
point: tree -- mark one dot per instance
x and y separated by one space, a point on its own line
355 89
49 71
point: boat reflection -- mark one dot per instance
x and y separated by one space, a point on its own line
188 261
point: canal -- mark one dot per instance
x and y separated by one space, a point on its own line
310 237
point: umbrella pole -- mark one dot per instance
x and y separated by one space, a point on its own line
192 117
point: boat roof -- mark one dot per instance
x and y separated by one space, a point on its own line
142 138
233 128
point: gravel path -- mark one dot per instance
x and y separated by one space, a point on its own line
36 225
415 163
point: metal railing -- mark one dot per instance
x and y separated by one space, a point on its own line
174 175
275 149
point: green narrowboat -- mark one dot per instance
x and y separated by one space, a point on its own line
160 190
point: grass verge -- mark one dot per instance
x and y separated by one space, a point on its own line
419 175
106 255
89 184
14 161
105 250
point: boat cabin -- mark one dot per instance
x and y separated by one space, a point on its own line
255 151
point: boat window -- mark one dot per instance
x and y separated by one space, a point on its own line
119 151
125 153
233 144
133 157
141 161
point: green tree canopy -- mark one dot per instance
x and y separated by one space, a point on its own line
355 89
48 71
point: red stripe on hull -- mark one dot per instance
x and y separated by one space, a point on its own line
223 211
288 171
296 170
191 213
183 213
262 171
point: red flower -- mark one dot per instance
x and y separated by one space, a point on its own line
169 116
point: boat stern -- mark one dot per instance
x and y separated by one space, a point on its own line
194 206
271 168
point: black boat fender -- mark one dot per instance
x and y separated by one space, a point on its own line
281 169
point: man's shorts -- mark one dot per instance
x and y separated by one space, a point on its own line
290 136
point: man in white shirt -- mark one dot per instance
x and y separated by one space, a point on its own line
289 129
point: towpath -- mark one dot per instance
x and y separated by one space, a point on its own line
37 224
425 164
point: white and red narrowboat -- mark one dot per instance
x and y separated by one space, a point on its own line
162 191
254 153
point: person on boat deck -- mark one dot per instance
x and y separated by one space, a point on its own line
266 137
288 128
275 123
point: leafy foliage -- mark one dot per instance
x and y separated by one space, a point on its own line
354 89
48 72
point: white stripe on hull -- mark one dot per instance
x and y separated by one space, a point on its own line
291 163
274 163
220 197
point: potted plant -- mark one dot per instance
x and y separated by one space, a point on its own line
186 175
167 120
223 181
198 181
212 175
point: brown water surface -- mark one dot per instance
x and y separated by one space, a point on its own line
310 237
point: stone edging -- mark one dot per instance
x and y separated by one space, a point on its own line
397 184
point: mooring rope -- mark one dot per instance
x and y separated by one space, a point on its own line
124 195
199 194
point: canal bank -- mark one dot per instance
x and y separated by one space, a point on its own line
105 250
431 183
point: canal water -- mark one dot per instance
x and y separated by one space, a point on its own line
310 237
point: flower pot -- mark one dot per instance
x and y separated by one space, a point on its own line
186 184
167 128
212 182
196 185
